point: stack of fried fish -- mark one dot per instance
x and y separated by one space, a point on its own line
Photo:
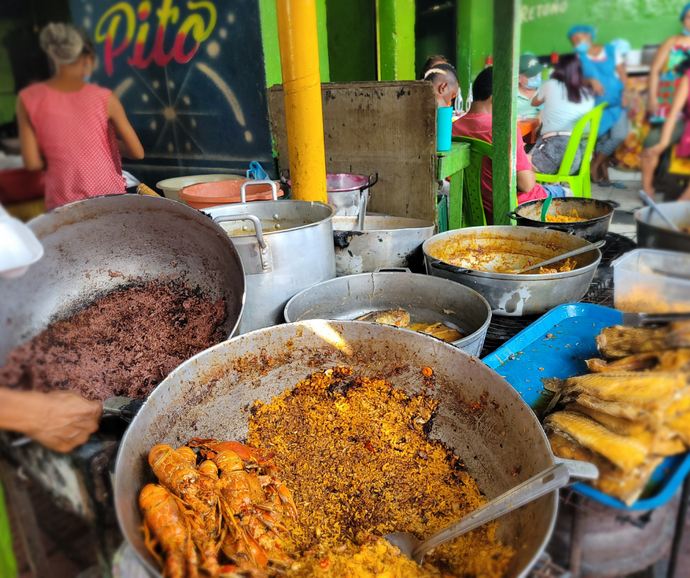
631 412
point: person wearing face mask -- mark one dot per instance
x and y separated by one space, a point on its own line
74 130
604 71
445 80
529 82
664 81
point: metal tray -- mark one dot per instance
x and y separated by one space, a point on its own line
557 345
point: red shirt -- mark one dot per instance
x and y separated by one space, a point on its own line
479 126
77 142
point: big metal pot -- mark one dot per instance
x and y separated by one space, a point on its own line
427 299
383 242
480 417
485 250
597 216
285 246
653 233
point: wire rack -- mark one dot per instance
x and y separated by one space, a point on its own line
547 568
600 292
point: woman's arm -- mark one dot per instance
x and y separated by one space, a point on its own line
129 146
28 142
660 59
679 101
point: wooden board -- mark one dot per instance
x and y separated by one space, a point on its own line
387 128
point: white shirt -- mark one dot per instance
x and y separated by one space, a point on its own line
559 114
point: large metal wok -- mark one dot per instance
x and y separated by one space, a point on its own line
487 254
93 247
501 444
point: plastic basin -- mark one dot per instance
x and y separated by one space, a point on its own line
206 195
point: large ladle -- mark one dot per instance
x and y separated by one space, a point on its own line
587 249
555 477
646 198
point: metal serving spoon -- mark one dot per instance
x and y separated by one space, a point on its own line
544 483
645 197
587 249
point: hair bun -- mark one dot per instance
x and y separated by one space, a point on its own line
62 42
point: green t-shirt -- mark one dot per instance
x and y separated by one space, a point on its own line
525 108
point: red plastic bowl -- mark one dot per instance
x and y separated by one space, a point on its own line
205 195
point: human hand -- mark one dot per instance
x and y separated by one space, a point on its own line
625 101
61 420
651 106
597 87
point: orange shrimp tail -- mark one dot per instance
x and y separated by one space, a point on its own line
166 523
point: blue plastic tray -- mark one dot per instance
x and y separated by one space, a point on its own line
557 345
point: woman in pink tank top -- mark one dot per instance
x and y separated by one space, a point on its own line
74 130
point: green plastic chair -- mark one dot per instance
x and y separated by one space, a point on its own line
472 208
580 183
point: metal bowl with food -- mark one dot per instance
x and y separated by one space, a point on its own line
479 417
485 258
588 219
653 233
385 241
434 306
95 248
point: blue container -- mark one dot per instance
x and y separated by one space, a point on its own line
558 345
444 128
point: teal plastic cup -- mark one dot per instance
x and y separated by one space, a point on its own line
444 128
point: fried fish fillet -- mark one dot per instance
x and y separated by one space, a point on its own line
648 391
681 426
656 418
620 341
663 441
618 425
627 487
625 452
671 360
437 330
396 317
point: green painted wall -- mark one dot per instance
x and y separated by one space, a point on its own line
352 40
396 19
7 96
545 24
269 32
435 32
475 38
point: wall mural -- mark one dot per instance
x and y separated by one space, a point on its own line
191 78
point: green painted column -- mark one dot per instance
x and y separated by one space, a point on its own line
269 34
475 39
396 39
506 55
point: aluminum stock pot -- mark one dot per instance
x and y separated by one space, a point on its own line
486 251
383 242
427 299
501 445
285 246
